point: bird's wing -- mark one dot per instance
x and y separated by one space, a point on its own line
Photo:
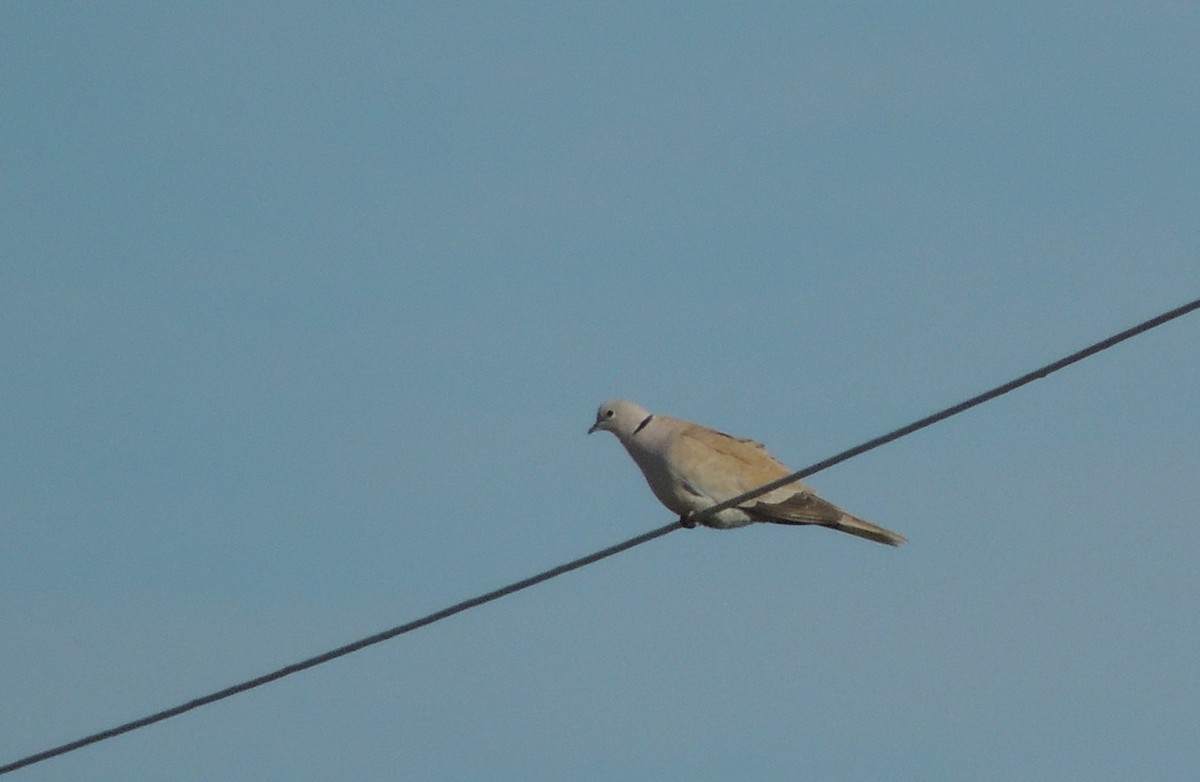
720 466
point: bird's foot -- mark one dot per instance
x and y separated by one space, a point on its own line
687 520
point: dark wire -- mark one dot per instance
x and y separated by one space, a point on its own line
338 652
599 555
974 401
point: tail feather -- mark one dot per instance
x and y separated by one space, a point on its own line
865 529
804 507
843 523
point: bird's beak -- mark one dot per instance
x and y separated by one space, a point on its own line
593 427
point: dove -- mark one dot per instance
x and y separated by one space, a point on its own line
690 468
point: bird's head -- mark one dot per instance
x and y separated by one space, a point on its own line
619 417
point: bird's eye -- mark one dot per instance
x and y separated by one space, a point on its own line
609 413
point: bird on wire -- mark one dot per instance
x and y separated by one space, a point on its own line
691 468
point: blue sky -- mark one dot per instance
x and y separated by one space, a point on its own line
306 310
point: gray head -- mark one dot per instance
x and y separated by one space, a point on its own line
619 417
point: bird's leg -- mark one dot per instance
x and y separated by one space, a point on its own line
687 521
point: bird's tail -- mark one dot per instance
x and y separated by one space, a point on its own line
865 529
804 507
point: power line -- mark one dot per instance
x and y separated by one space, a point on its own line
605 553
961 407
338 652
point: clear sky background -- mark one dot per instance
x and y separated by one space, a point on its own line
305 309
